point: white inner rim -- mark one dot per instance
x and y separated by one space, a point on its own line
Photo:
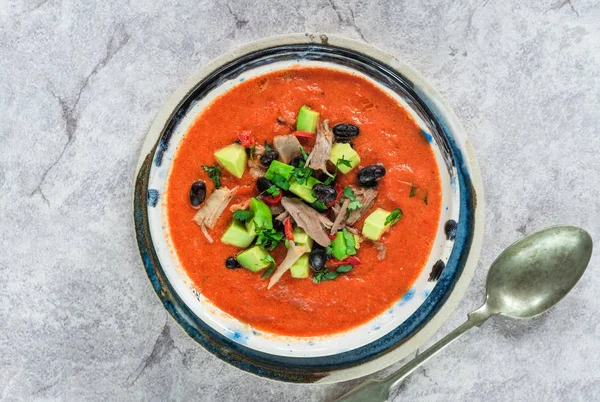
273 343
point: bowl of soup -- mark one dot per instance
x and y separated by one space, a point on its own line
308 208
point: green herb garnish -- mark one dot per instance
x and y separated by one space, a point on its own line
329 250
268 272
268 259
394 217
268 147
350 241
324 275
413 191
304 154
319 205
273 191
252 151
280 181
243 216
268 238
342 269
214 172
302 174
354 203
343 161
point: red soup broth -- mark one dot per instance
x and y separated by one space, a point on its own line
388 135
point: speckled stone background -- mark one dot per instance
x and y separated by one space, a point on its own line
81 82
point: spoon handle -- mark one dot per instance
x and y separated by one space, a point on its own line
379 390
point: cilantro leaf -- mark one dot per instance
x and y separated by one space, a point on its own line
302 174
329 276
319 206
268 259
354 203
273 190
304 154
269 238
214 172
343 161
268 147
252 151
342 269
394 217
243 216
268 272
280 181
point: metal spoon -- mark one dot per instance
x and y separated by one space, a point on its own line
528 278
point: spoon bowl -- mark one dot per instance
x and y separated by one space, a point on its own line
528 278
536 272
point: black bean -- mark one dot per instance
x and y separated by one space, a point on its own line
295 162
317 259
197 193
345 132
369 175
325 193
232 263
268 157
263 184
278 225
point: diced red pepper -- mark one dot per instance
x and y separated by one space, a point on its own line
304 134
273 200
246 138
339 190
352 260
287 228
332 236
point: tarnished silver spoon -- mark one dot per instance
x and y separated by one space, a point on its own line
528 278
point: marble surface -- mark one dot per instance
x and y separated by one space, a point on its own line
81 82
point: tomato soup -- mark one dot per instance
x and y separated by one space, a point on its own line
388 136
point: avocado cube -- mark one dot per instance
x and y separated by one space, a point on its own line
233 158
344 242
252 258
279 168
237 235
263 218
304 190
342 150
302 239
300 269
307 120
374 225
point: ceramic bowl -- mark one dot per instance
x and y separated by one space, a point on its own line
388 337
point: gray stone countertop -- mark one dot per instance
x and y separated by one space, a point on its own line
81 82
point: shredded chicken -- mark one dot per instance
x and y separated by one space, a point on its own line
352 230
325 221
282 216
276 209
256 169
380 247
306 218
294 252
319 156
341 216
287 146
367 197
207 216
240 206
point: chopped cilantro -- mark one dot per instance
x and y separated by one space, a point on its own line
268 147
214 172
268 238
273 190
280 181
268 259
343 161
394 217
342 269
243 216
354 203
268 272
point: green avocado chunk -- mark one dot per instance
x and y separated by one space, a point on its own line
279 168
300 269
262 216
344 150
237 235
302 239
307 120
344 245
374 225
233 158
304 191
252 258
